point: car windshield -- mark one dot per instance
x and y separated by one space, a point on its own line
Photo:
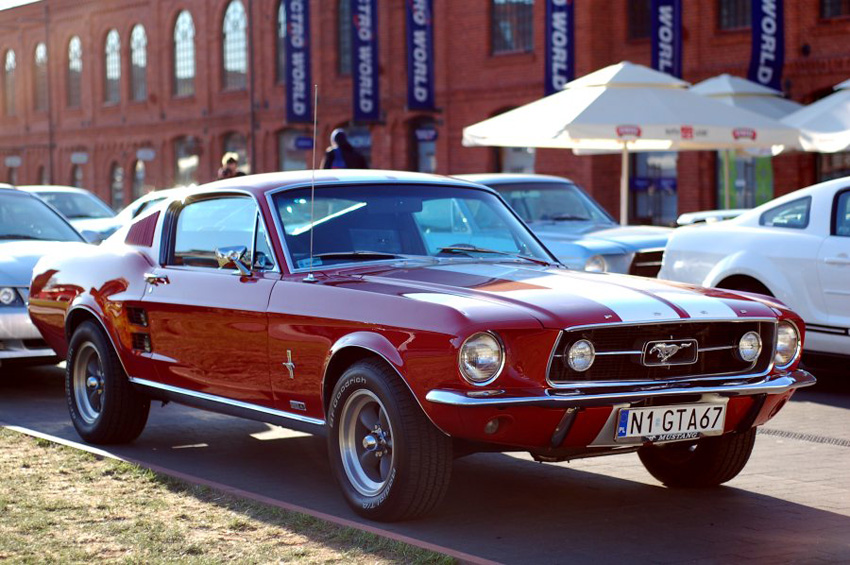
368 222
74 205
553 201
25 217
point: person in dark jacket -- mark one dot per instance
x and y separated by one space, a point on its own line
341 154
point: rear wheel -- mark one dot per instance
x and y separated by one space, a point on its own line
707 462
104 406
388 458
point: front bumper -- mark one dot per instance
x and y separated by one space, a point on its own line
19 338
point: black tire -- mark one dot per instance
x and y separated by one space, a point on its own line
108 409
417 476
707 462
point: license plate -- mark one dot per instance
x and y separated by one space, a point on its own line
669 423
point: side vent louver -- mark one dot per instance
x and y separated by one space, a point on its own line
141 233
142 342
137 316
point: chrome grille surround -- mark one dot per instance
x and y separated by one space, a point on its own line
626 351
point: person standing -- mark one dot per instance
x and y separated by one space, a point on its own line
341 154
229 164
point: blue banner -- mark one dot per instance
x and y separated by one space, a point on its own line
420 55
364 53
299 103
667 36
560 45
768 54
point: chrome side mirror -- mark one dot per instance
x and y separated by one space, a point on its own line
233 256
91 237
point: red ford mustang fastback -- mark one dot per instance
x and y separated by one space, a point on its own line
411 319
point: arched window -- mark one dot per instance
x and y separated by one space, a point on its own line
75 71
280 43
112 68
139 171
235 142
234 46
423 145
77 176
139 63
343 46
184 55
186 160
116 184
292 147
40 75
9 82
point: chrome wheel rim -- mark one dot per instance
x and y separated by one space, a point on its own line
88 383
366 443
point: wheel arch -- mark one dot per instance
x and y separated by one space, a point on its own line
82 313
745 283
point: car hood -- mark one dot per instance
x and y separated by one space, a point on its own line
560 298
103 226
17 258
601 238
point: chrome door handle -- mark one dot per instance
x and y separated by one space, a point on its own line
155 280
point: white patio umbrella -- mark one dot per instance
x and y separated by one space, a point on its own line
825 125
628 107
743 93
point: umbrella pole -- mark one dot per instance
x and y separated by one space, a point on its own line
727 197
624 187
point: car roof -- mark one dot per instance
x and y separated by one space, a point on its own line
510 178
53 188
791 196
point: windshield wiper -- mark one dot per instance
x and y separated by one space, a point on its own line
474 249
357 255
568 218
20 236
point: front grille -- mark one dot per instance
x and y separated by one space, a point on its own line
647 263
620 349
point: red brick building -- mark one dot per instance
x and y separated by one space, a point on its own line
115 110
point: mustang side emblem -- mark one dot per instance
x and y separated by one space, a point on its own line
666 350
290 366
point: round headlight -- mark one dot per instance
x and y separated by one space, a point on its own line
749 347
481 358
787 344
581 355
7 295
596 264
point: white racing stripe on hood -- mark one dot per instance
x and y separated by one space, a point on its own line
699 305
462 304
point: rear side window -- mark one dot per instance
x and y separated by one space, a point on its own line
794 214
205 225
841 220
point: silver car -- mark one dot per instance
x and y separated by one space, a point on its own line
29 228
90 215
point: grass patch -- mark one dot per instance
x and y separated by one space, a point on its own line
63 505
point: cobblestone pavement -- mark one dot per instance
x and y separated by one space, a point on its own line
791 504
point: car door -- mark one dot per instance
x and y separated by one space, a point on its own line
834 262
209 329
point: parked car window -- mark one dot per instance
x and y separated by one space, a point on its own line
556 201
205 225
794 214
24 217
406 220
74 205
842 214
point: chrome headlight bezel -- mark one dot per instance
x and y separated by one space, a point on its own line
478 380
596 264
568 357
781 363
757 350
9 296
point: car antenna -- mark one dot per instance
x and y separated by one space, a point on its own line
310 277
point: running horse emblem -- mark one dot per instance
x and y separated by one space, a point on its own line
667 350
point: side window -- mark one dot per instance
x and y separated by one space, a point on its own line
205 225
263 256
794 214
841 220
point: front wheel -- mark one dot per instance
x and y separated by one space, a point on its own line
707 462
388 458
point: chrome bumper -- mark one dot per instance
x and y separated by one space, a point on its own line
15 327
553 398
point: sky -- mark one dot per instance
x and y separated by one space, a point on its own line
6 4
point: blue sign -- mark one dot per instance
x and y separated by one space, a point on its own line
655 183
299 104
667 36
303 142
560 45
768 52
364 52
420 55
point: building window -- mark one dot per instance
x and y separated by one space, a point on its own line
186 160
640 25
361 139
733 14
423 145
343 46
116 184
653 188
75 71
512 23
112 68
235 46
833 165
9 82
139 63
234 142
280 43
13 176
138 179
184 55
40 74
834 8
516 159
43 178
77 176
292 147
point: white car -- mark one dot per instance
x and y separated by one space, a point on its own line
86 212
795 248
